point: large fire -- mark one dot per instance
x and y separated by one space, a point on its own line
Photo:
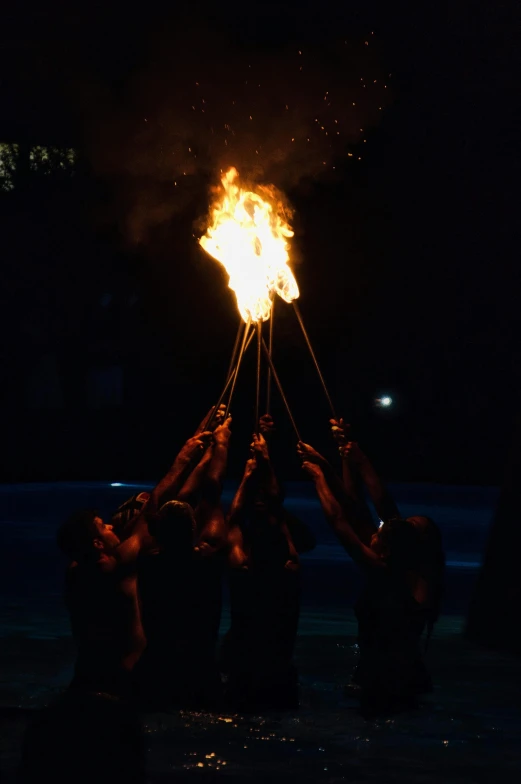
249 237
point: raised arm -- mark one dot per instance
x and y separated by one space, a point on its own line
242 496
191 490
265 472
237 557
357 470
217 466
341 434
210 517
188 489
170 485
339 520
354 505
129 549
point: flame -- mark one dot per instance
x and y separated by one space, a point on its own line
249 237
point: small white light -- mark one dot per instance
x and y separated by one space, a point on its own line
116 484
386 401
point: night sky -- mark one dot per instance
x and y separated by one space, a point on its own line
405 246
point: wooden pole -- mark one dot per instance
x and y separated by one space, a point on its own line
270 349
229 380
235 374
242 325
257 389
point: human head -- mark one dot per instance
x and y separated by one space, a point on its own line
84 534
413 542
174 527
398 542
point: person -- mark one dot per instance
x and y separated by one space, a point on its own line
357 472
264 578
180 585
401 595
101 587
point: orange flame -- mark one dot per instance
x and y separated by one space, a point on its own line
248 236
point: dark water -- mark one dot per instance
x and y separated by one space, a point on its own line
467 730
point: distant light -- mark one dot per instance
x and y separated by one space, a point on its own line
116 484
384 402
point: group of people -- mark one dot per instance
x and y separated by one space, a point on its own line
144 591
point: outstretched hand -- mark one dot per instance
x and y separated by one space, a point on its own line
194 447
215 420
259 447
307 453
340 431
222 433
249 468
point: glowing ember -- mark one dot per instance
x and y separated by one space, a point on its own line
249 237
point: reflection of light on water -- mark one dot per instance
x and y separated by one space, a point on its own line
213 762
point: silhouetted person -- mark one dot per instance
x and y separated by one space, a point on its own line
180 585
101 588
403 562
264 575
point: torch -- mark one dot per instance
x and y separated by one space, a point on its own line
248 235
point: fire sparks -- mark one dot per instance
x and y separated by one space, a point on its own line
249 236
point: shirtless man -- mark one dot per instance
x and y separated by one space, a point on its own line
180 584
403 574
101 586
264 575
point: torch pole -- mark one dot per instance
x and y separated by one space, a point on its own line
236 372
313 357
235 349
270 349
279 386
229 379
257 389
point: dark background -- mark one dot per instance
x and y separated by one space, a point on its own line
117 329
